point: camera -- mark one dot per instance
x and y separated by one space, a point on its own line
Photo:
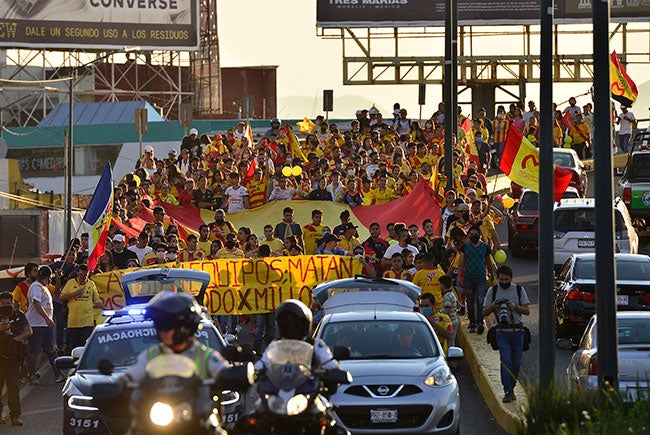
503 312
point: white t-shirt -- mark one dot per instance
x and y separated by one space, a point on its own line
39 293
279 194
140 252
397 249
235 198
625 126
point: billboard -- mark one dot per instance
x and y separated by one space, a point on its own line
413 13
99 24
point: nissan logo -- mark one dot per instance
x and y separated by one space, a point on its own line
383 390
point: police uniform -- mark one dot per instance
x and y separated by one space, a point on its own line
323 357
208 361
12 353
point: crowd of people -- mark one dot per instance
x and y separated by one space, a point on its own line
372 161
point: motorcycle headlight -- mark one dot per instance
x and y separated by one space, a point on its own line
82 403
276 405
297 404
229 397
161 414
439 377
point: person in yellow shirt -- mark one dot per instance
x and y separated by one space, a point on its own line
348 242
81 295
313 231
439 321
204 244
382 194
397 270
166 195
581 136
230 250
272 242
428 279
483 218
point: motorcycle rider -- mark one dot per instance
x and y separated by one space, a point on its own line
176 317
295 321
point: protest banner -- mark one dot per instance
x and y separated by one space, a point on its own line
244 286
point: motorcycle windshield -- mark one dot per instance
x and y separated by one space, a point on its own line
288 363
171 365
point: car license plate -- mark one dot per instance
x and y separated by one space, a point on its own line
383 415
586 243
622 300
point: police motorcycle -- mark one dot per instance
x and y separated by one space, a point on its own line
173 387
293 386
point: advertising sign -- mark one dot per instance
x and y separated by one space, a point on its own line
413 13
99 24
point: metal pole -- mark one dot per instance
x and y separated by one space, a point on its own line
454 66
604 185
546 276
69 164
449 91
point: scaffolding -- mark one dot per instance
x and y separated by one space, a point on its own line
165 79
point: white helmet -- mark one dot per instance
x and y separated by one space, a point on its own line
194 131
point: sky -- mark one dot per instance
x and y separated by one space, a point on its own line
283 33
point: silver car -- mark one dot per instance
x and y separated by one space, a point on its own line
402 383
633 361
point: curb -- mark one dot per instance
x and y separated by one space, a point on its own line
486 373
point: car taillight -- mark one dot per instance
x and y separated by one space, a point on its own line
522 226
575 294
645 299
593 365
627 195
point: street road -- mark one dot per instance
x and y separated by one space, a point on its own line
42 411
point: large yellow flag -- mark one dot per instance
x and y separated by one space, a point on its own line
294 146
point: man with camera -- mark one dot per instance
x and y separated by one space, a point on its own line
508 302
14 330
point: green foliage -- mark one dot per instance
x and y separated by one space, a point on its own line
556 410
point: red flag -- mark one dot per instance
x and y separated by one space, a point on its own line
251 170
520 162
567 120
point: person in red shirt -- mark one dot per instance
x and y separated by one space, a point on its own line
186 196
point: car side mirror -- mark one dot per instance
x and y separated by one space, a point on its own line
105 367
455 354
65 363
76 352
566 344
341 353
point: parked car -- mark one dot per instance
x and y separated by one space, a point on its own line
397 388
568 159
633 361
574 228
634 185
523 221
124 335
575 290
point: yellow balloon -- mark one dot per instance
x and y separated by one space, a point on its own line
500 256
286 171
296 171
508 202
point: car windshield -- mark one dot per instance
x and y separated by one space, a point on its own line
564 160
640 170
122 346
582 219
630 331
528 201
626 270
382 339
154 286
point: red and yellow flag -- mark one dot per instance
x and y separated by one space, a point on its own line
294 147
520 162
623 88
248 134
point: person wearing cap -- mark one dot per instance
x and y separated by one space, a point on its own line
275 128
40 315
192 143
240 132
220 227
172 157
329 246
348 241
147 160
120 254
625 120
